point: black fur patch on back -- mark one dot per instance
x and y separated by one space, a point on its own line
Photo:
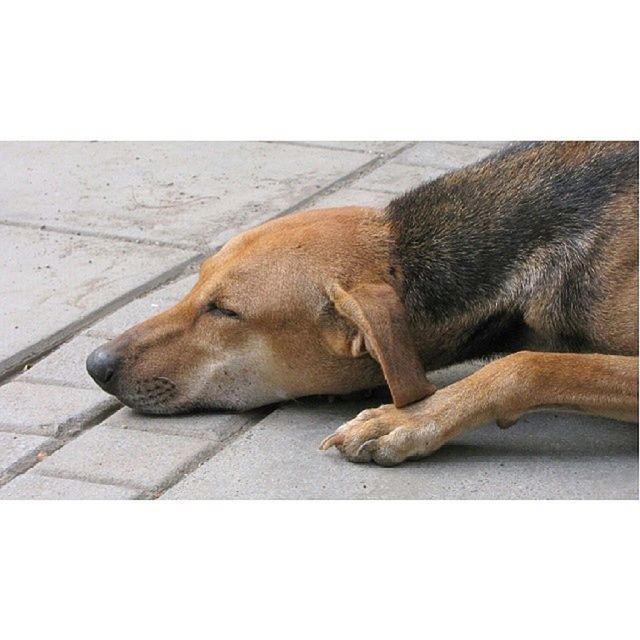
459 238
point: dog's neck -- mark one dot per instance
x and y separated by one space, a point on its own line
513 237
451 327
462 265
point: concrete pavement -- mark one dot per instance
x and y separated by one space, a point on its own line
98 236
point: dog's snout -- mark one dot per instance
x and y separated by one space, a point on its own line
102 365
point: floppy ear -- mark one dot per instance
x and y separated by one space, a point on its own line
383 331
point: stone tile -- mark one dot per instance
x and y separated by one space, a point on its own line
214 427
15 448
169 191
367 146
485 144
544 456
52 280
125 457
446 155
398 178
128 316
32 486
49 410
66 365
177 290
141 309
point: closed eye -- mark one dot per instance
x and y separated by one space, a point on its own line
214 309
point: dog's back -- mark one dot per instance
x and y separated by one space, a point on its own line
538 244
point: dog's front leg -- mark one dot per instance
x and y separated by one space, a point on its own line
388 435
501 391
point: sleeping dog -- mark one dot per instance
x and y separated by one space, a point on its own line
530 255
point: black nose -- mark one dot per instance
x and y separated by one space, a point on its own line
102 365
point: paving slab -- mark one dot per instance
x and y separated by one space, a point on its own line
52 280
49 410
397 178
141 309
214 427
446 155
15 448
179 192
486 144
137 459
176 290
367 146
66 365
544 456
31 486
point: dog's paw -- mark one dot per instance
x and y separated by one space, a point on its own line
387 436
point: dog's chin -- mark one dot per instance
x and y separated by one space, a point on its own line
165 406
149 407
159 409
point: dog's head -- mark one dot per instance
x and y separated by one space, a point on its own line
303 305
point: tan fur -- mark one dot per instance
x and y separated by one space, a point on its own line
277 278
383 332
281 277
502 391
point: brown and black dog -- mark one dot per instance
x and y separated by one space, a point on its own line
531 254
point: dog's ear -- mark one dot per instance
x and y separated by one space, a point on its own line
383 332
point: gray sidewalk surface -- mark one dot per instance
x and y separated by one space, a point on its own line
98 236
